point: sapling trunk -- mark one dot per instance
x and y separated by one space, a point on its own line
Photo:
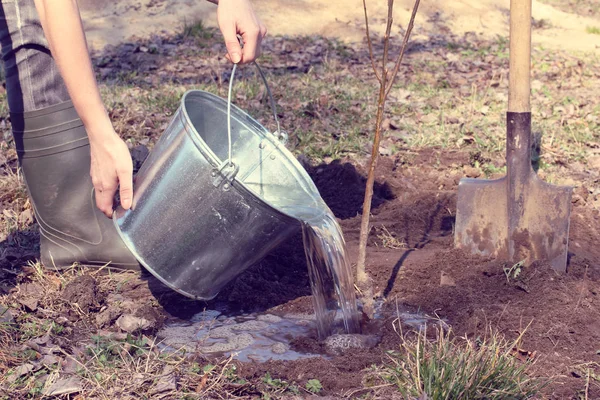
386 80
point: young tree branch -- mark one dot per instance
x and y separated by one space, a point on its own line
371 55
386 82
403 48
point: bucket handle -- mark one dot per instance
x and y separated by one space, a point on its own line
279 134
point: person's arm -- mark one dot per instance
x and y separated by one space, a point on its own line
237 17
111 162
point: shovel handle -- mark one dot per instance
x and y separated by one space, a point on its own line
520 56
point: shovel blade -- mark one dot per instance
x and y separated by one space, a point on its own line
532 226
542 231
482 217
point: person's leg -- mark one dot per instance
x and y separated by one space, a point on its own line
53 149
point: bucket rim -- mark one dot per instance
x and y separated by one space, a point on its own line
307 182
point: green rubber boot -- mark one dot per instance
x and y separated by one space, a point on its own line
54 154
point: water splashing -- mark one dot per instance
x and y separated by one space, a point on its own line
330 273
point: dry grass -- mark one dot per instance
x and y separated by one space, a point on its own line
106 364
389 240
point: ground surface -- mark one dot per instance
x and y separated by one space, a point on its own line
114 21
76 332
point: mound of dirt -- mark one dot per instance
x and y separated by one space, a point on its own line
83 291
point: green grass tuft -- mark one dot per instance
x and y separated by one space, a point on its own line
594 30
459 368
196 30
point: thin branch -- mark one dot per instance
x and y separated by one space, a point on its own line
386 40
371 54
403 48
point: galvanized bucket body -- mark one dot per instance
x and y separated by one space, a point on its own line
196 221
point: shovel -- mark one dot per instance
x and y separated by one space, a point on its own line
519 217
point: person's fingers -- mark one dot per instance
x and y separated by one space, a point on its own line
234 50
252 38
104 199
126 186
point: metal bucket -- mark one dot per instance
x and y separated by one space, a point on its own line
205 207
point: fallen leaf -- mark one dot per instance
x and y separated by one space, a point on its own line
26 217
29 303
524 355
165 385
202 383
64 386
19 372
50 360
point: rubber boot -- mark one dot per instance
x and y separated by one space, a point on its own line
54 154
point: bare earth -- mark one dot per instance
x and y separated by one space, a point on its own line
111 22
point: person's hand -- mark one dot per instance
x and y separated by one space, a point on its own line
111 168
238 17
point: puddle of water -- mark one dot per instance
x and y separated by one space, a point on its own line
248 337
263 337
419 321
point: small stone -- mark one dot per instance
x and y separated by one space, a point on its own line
129 323
577 200
446 280
270 318
471 172
279 348
594 162
338 344
251 325
583 191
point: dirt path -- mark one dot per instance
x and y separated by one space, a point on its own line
111 22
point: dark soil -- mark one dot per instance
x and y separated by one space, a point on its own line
83 291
